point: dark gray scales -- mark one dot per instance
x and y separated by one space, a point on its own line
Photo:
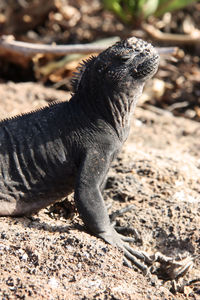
46 154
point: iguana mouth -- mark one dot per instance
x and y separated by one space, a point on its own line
148 62
148 66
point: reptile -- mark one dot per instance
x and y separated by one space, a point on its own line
48 153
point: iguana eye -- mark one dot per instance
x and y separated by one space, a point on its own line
124 58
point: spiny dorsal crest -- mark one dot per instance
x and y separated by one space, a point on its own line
77 76
25 114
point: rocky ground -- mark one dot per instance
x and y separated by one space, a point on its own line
51 256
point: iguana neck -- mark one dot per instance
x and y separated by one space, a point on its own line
121 107
114 107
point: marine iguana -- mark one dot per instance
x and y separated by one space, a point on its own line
48 153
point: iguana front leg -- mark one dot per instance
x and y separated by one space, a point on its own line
92 208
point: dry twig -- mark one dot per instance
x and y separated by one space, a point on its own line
7 43
171 38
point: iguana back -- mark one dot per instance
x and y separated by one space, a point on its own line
36 161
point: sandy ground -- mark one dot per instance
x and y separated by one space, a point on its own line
51 256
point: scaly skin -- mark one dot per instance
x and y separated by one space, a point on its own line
46 154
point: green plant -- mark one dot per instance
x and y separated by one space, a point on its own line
171 5
141 9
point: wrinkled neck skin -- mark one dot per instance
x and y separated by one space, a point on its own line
115 105
122 104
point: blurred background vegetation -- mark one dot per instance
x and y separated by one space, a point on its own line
131 10
176 86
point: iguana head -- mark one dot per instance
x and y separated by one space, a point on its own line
108 86
131 61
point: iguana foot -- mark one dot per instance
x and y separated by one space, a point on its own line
180 287
125 229
131 256
164 267
170 268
